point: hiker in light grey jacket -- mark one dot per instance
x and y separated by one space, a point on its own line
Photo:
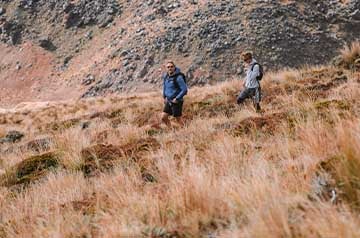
252 87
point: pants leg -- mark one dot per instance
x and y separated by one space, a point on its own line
177 109
257 99
167 108
257 96
246 93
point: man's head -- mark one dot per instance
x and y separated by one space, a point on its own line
246 57
170 67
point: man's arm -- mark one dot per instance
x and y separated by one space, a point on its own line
163 78
183 87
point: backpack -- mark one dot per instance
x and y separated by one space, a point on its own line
176 76
180 74
261 71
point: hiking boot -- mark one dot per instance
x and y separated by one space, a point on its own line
258 108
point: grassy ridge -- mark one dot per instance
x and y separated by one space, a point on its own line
109 170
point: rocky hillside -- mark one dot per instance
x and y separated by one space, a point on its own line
52 50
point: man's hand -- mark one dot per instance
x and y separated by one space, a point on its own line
165 100
174 101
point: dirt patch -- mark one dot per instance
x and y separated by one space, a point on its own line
25 70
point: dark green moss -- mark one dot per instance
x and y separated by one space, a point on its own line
31 169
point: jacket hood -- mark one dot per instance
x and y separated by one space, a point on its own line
253 61
177 70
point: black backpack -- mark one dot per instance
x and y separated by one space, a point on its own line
180 74
261 71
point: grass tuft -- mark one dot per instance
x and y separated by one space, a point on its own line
31 169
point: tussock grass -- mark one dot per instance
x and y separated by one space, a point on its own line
229 172
344 165
30 169
350 53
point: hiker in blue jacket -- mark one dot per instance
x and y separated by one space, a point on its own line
252 87
174 89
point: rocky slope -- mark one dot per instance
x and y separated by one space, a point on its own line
53 50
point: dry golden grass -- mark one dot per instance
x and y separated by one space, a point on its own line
292 171
351 52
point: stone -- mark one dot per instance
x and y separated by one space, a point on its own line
45 43
85 125
89 79
12 137
2 11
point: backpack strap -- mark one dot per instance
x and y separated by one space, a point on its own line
252 67
165 76
176 78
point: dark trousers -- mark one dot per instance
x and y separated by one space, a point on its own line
173 109
254 93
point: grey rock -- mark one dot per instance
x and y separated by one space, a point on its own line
86 13
11 32
355 15
89 79
84 125
67 60
45 43
89 35
12 137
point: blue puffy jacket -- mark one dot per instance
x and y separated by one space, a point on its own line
174 86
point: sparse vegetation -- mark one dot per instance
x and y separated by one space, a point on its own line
292 171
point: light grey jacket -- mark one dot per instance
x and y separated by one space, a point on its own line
250 79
